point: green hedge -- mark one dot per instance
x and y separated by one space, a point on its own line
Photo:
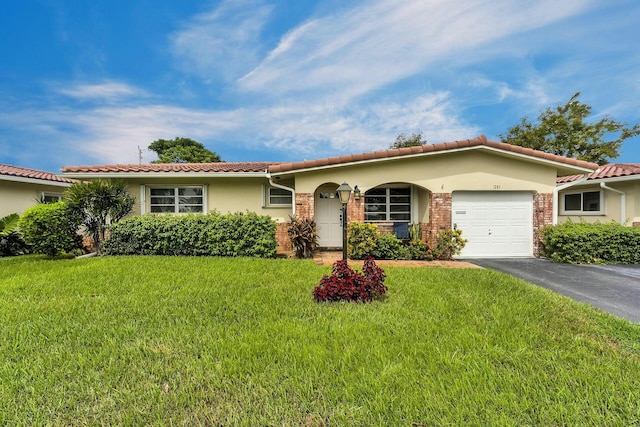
599 243
213 234
49 229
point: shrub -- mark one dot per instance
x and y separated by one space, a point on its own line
363 240
304 236
98 204
212 234
345 284
49 229
419 250
448 244
11 243
389 246
582 243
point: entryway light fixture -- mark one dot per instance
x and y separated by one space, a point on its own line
356 193
344 192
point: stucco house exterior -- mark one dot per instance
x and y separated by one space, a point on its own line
21 188
500 195
612 193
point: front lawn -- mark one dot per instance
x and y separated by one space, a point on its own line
206 341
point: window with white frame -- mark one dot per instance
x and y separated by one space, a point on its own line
585 202
388 204
50 197
279 197
176 199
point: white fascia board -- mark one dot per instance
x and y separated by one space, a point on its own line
34 181
597 181
526 157
168 175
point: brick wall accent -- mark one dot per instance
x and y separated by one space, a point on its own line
542 216
439 216
355 210
305 205
284 243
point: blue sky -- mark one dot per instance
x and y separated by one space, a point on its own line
88 82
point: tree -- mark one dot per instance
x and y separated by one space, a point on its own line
98 204
563 131
402 140
182 150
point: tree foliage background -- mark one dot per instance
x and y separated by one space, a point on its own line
182 150
564 131
402 140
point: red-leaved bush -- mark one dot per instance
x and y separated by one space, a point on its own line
345 284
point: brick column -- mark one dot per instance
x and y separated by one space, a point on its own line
282 238
439 216
542 216
355 210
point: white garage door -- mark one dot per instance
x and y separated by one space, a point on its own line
496 224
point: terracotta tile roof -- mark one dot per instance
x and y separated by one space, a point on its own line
614 170
229 167
429 148
20 172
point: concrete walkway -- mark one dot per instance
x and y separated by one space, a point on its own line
329 258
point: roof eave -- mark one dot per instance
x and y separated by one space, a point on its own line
610 179
107 175
35 181
567 169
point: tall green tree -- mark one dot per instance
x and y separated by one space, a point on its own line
182 150
402 140
563 130
98 204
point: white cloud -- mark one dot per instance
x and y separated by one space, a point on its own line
383 42
110 90
222 43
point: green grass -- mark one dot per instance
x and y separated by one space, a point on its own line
202 341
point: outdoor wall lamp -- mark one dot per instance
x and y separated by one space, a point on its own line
356 193
344 192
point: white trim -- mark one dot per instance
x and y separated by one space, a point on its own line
44 194
143 199
623 201
556 191
433 153
600 211
205 198
292 190
167 175
34 181
203 187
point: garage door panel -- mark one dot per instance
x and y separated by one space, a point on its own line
496 224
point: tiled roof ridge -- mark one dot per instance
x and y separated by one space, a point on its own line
441 147
22 172
611 170
172 167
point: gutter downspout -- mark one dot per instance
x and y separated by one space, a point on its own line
623 201
556 190
292 190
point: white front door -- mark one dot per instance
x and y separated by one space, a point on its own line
496 224
328 218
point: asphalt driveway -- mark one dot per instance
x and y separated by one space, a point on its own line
612 288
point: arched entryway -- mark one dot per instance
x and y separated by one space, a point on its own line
328 216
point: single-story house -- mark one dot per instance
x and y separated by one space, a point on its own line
21 188
612 193
499 195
